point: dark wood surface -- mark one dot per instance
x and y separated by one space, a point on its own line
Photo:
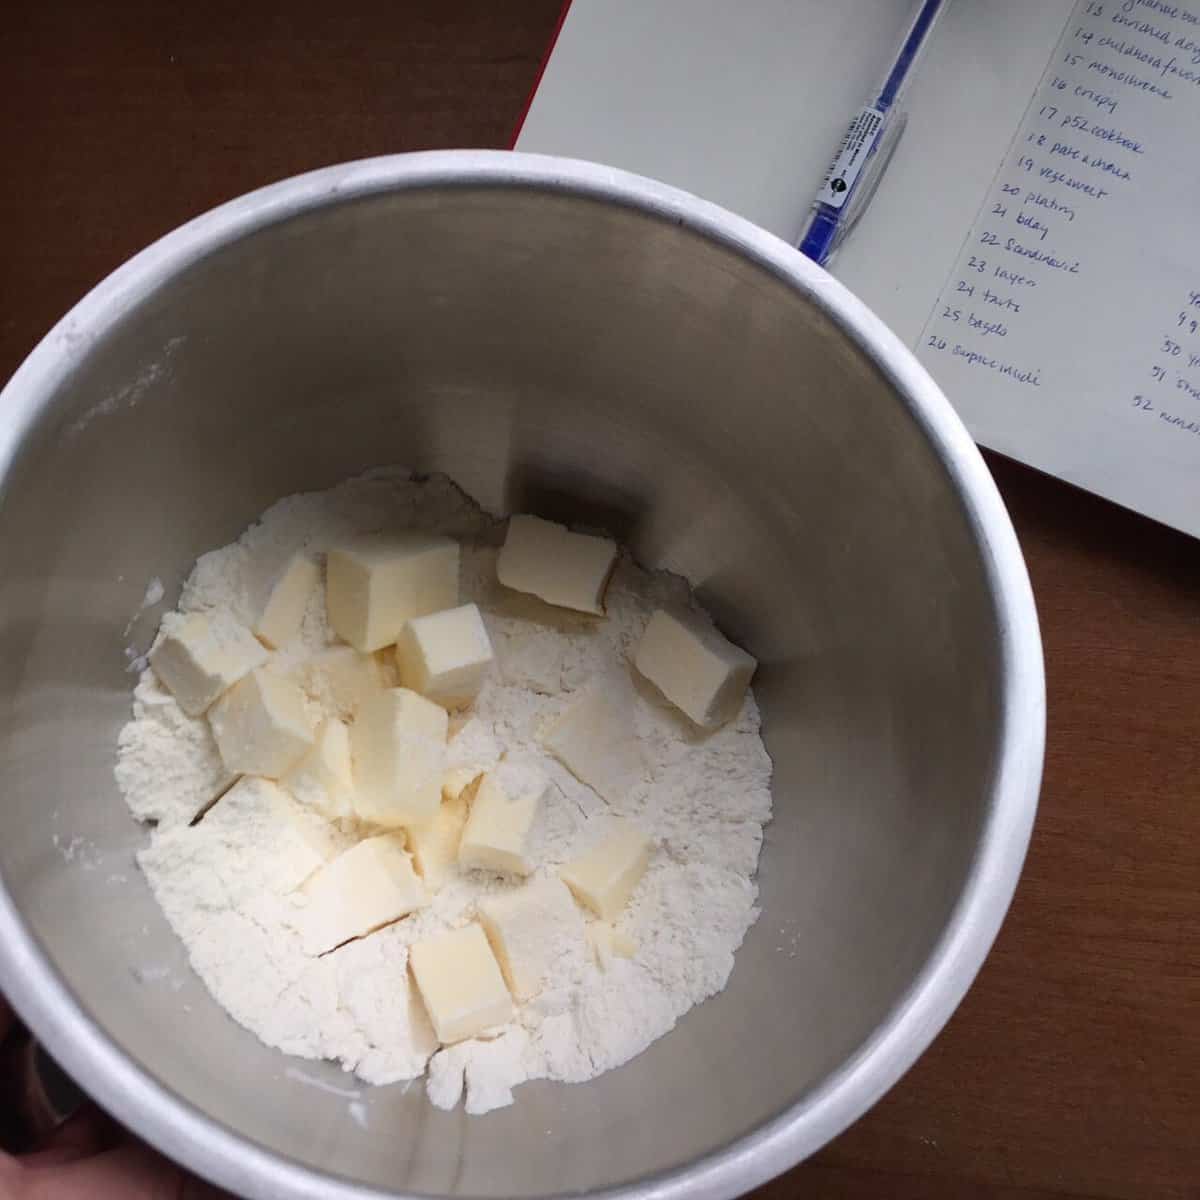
1073 1066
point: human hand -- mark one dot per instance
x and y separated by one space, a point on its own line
88 1157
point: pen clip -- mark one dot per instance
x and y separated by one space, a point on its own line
881 158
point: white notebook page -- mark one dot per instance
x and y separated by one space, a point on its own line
1068 332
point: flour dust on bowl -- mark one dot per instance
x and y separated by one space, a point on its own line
565 340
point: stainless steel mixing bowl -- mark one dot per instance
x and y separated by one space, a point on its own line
573 340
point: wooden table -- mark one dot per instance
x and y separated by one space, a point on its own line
1073 1066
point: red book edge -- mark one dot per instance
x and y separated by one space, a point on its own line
562 16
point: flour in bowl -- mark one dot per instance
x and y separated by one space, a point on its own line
235 883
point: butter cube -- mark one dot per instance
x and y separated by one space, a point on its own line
261 726
376 583
340 680
200 657
287 600
457 779
322 780
496 837
254 822
568 569
701 672
595 739
604 878
623 944
608 942
434 843
461 984
398 745
599 938
364 888
445 656
530 929
258 819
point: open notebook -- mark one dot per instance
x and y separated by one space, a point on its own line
1036 239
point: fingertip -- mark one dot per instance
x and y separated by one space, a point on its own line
86 1132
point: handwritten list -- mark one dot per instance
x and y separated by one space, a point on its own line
1068 333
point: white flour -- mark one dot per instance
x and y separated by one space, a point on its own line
227 883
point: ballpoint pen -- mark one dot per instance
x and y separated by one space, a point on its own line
866 149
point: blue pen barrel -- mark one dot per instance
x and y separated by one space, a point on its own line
867 130
908 53
822 228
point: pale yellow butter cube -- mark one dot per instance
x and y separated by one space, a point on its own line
505 806
595 739
461 984
340 680
608 942
288 598
200 657
604 877
366 887
398 745
261 726
445 656
531 929
457 780
323 779
700 671
255 822
258 818
375 583
567 569
434 843
623 944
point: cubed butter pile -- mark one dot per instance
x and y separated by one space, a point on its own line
287 602
701 672
594 738
445 655
364 888
399 746
198 657
460 981
370 759
261 725
498 830
527 929
323 779
570 570
604 877
375 584
434 843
